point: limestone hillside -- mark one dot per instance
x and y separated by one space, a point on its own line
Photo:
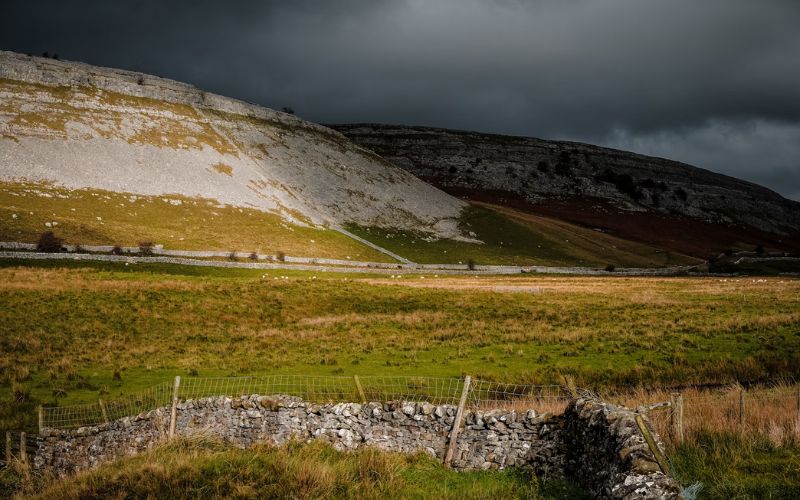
77 126
649 199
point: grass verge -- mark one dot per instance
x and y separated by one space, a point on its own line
194 468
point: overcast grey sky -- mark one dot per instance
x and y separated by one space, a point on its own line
715 83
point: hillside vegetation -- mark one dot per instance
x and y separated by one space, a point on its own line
654 200
513 237
100 217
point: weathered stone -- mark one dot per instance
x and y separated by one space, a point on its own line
599 453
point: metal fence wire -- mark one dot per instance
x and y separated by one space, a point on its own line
320 389
102 411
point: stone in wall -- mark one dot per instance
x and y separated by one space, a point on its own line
608 455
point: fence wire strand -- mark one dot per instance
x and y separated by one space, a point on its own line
320 389
722 409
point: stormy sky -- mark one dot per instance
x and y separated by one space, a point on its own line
715 83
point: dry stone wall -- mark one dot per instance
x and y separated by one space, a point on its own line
593 443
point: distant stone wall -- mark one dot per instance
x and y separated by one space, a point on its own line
584 444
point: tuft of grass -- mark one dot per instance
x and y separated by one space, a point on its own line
738 466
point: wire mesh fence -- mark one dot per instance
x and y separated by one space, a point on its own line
771 412
320 389
551 398
101 411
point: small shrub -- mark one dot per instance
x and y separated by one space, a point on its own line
253 256
280 256
680 193
117 250
117 377
328 360
146 248
563 170
232 255
760 249
80 249
543 166
471 264
49 242
140 80
623 182
610 268
287 110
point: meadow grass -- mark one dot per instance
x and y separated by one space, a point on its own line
738 466
205 468
75 331
65 329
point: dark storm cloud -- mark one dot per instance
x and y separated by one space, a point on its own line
714 83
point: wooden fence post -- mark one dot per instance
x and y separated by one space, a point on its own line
677 417
23 452
173 418
41 419
103 410
8 447
741 407
360 389
451 448
798 405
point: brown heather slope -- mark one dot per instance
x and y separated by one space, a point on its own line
651 200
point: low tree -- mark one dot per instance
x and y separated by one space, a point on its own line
49 242
471 264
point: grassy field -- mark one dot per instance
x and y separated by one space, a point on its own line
65 331
512 237
73 332
98 217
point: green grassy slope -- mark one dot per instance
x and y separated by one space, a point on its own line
98 217
512 237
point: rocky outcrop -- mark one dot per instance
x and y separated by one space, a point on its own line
595 444
83 126
536 170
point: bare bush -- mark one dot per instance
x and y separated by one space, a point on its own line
49 242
